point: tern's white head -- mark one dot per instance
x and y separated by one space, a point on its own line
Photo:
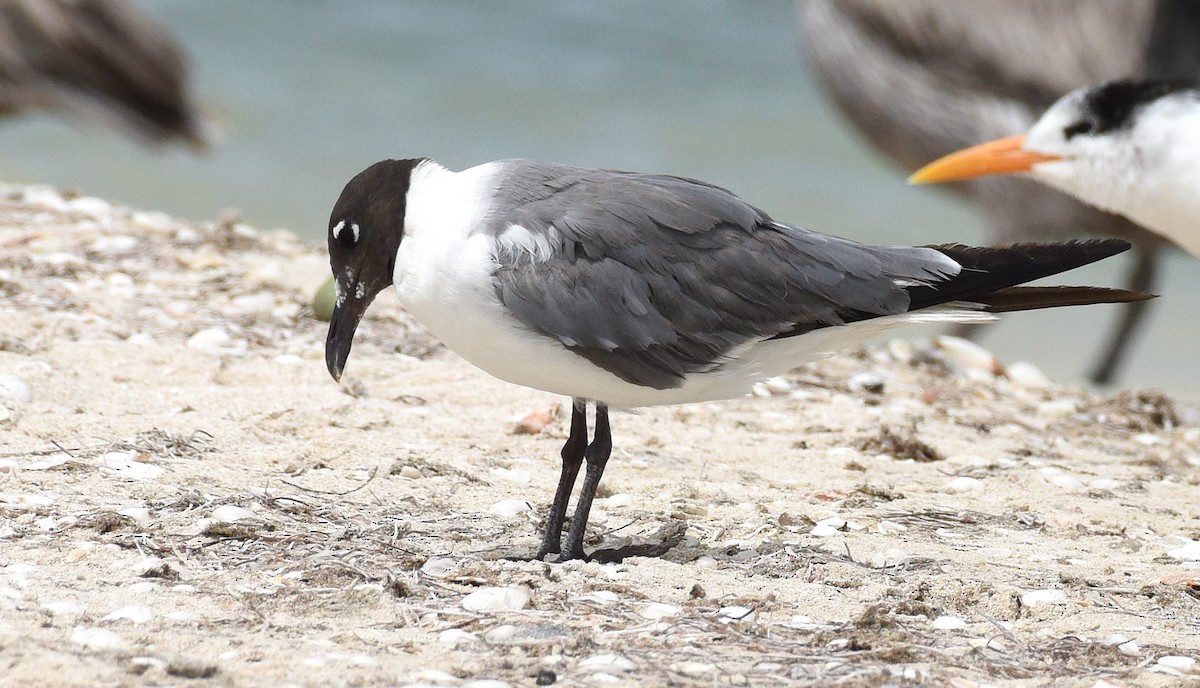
1131 148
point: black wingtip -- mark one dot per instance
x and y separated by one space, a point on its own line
988 269
1049 258
1033 298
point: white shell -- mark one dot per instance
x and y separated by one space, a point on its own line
660 610
213 340
97 638
949 623
61 608
14 390
1177 662
496 599
228 513
1059 408
964 484
133 614
966 356
1028 376
454 637
1189 552
607 663
509 508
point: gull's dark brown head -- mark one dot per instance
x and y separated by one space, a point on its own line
365 230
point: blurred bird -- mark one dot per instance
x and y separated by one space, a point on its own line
1130 147
923 78
97 59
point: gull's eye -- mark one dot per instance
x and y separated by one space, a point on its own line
1083 126
346 233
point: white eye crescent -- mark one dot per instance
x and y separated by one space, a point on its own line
337 231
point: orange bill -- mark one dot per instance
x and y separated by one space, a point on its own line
1002 156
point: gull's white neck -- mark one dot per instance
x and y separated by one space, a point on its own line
444 265
442 208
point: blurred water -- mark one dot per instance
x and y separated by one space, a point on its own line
312 91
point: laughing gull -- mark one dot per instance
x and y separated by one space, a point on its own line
922 78
624 289
1130 147
98 59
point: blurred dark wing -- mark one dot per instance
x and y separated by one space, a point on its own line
98 58
922 78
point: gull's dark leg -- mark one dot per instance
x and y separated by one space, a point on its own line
572 458
597 456
1141 278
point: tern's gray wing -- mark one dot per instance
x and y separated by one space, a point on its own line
654 277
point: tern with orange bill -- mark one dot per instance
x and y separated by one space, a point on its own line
1128 147
921 78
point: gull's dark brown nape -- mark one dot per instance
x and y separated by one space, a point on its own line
576 450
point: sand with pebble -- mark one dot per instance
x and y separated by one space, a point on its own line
187 498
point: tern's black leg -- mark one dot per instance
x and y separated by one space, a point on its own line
597 456
1141 278
572 458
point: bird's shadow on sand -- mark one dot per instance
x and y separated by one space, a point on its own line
666 544
657 545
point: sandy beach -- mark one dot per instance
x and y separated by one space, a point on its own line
186 497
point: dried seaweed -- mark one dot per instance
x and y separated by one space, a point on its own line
900 446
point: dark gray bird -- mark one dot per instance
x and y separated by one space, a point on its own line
624 289
923 78
97 59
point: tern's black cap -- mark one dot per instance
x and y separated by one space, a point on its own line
1113 105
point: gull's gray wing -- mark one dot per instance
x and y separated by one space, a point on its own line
653 277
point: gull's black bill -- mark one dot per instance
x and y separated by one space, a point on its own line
347 313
